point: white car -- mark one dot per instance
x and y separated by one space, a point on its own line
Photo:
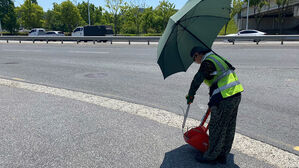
37 32
246 33
54 33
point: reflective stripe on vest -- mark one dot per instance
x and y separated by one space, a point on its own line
226 73
218 63
223 72
218 90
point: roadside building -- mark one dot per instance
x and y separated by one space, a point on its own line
271 18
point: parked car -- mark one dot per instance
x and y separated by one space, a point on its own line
246 33
37 32
54 33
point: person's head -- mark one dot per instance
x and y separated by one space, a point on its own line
197 53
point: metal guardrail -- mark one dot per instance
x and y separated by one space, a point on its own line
94 39
149 39
258 39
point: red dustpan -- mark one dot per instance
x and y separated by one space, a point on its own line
197 137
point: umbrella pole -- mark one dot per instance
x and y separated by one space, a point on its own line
194 36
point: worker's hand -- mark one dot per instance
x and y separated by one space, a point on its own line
189 99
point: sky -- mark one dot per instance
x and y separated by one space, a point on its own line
47 4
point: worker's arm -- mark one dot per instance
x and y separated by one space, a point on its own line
196 82
204 72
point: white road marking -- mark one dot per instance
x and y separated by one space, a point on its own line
257 149
75 52
18 79
88 52
29 50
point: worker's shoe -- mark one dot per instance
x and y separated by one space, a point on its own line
200 159
222 159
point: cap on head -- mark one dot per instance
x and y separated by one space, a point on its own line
200 50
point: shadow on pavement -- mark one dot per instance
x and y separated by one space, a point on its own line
184 157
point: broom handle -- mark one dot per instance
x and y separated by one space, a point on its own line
205 117
185 117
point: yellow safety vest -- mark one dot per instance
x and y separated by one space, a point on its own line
227 80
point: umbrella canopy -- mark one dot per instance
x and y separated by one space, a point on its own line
196 24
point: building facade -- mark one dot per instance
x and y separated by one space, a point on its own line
268 18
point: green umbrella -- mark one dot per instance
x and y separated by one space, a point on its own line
196 24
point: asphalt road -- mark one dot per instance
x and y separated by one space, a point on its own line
269 72
42 130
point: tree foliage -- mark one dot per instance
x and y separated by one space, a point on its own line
147 20
30 15
51 21
64 17
237 7
114 8
10 20
4 5
8 16
126 17
131 18
162 14
107 18
95 13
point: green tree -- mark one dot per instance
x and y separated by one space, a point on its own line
98 15
10 19
66 16
107 18
131 18
7 15
95 12
236 9
50 21
30 15
136 10
162 14
4 5
114 8
147 20
126 20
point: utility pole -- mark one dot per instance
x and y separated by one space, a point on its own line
248 2
88 14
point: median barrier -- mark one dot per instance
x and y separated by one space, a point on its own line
146 39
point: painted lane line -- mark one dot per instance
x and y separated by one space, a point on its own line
74 52
18 79
88 52
16 50
259 150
